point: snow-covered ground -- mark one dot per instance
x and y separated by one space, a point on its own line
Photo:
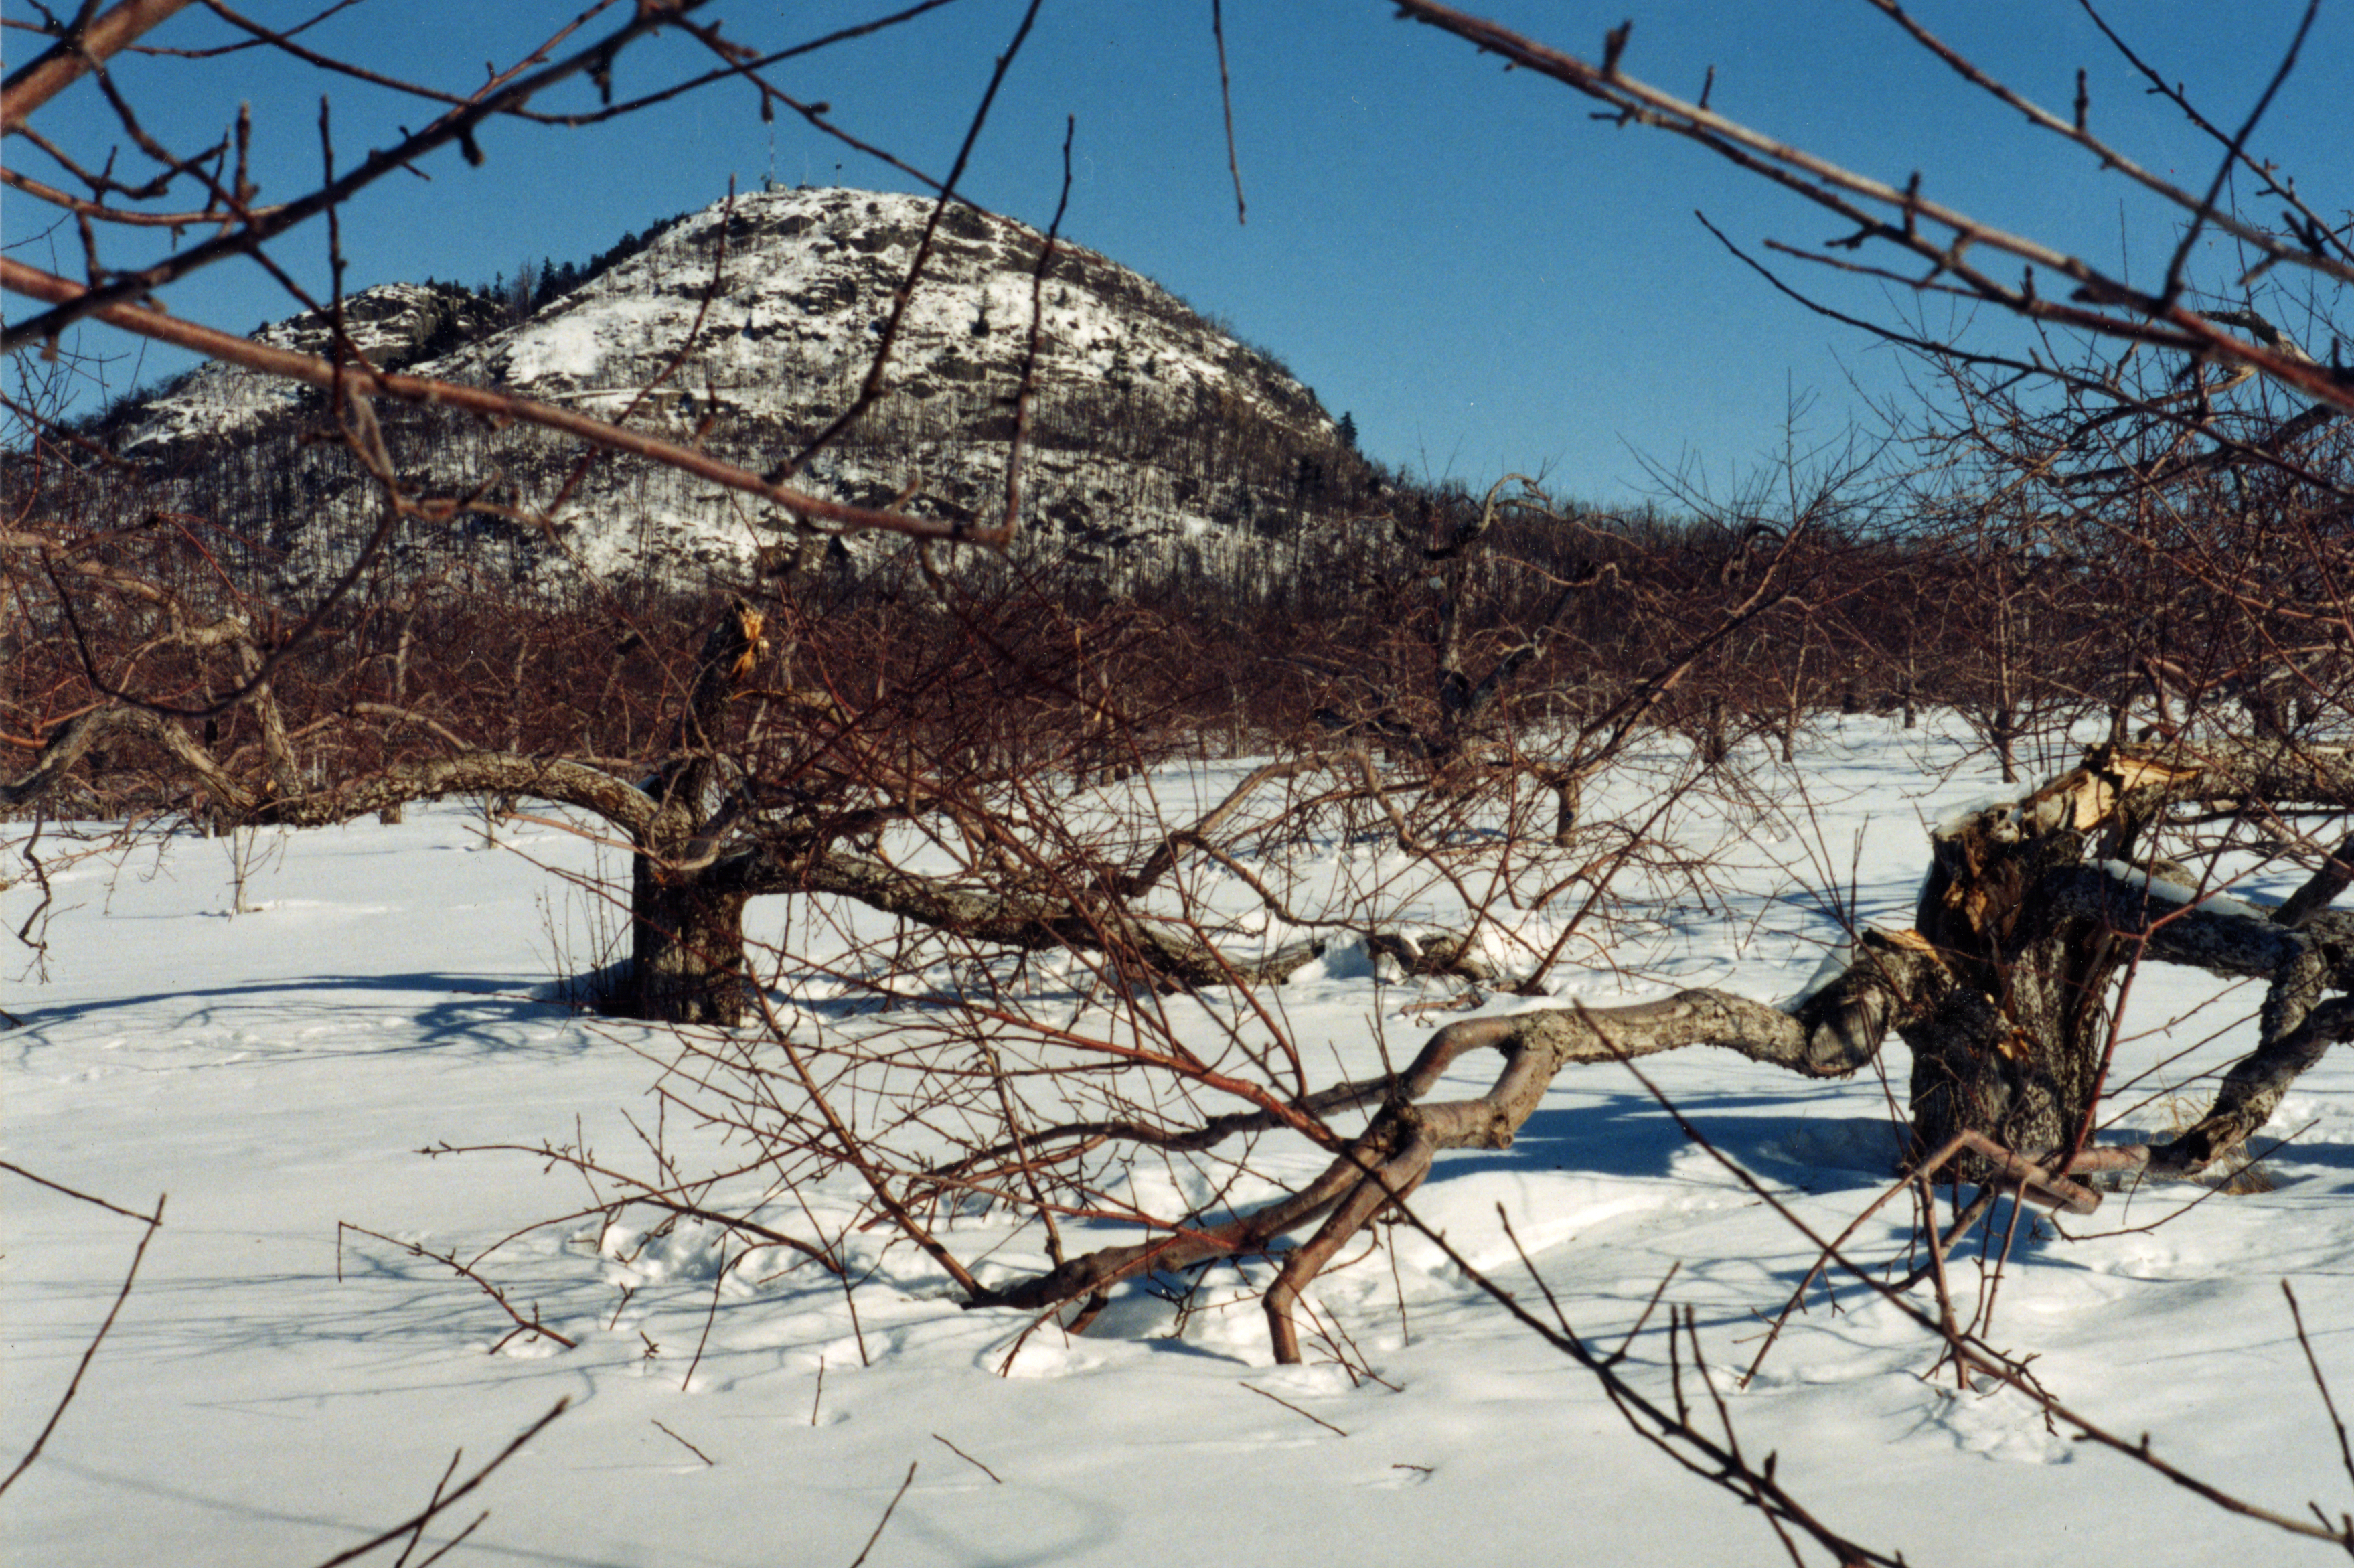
271 1395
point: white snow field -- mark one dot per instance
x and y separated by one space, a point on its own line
271 1397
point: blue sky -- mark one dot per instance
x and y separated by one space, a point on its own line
1485 277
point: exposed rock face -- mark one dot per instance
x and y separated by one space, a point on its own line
394 326
758 321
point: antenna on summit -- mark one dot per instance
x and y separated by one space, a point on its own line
769 180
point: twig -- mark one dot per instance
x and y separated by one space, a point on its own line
1397 1285
1662 1428
418 1535
74 1386
887 1517
686 1445
1979 1355
1938 1273
443 1500
2321 1385
1295 1409
523 1324
154 1219
872 385
968 1459
456 1541
1615 1357
718 1277
1005 1366
1226 101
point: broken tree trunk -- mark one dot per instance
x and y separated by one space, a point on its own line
686 908
686 947
2037 906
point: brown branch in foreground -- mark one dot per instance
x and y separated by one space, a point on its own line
311 370
1894 983
891 1508
15 1169
968 1459
1832 1034
443 1500
73 1386
641 1192
74 56
501 95
1295 1410
872 385
2109 306
1673 1432
848 1149
1969 1349
531 1325
690 1448
2312 226
2030 1180
1227 102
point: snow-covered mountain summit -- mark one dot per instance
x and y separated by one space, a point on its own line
758 318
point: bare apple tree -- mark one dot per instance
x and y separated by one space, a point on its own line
2002 988
759 742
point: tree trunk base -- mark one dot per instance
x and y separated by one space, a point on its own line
687 958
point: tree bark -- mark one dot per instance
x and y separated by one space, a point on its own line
2016 1055
686 948
2036 936
686 902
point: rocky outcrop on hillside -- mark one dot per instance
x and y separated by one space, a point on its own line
394 326
747 327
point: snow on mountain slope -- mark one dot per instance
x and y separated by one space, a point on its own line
802 281
748 327
394 326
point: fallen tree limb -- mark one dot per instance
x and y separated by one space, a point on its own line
1830 1034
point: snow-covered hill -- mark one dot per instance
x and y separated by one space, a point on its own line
748 327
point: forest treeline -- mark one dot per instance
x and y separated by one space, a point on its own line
1326 618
